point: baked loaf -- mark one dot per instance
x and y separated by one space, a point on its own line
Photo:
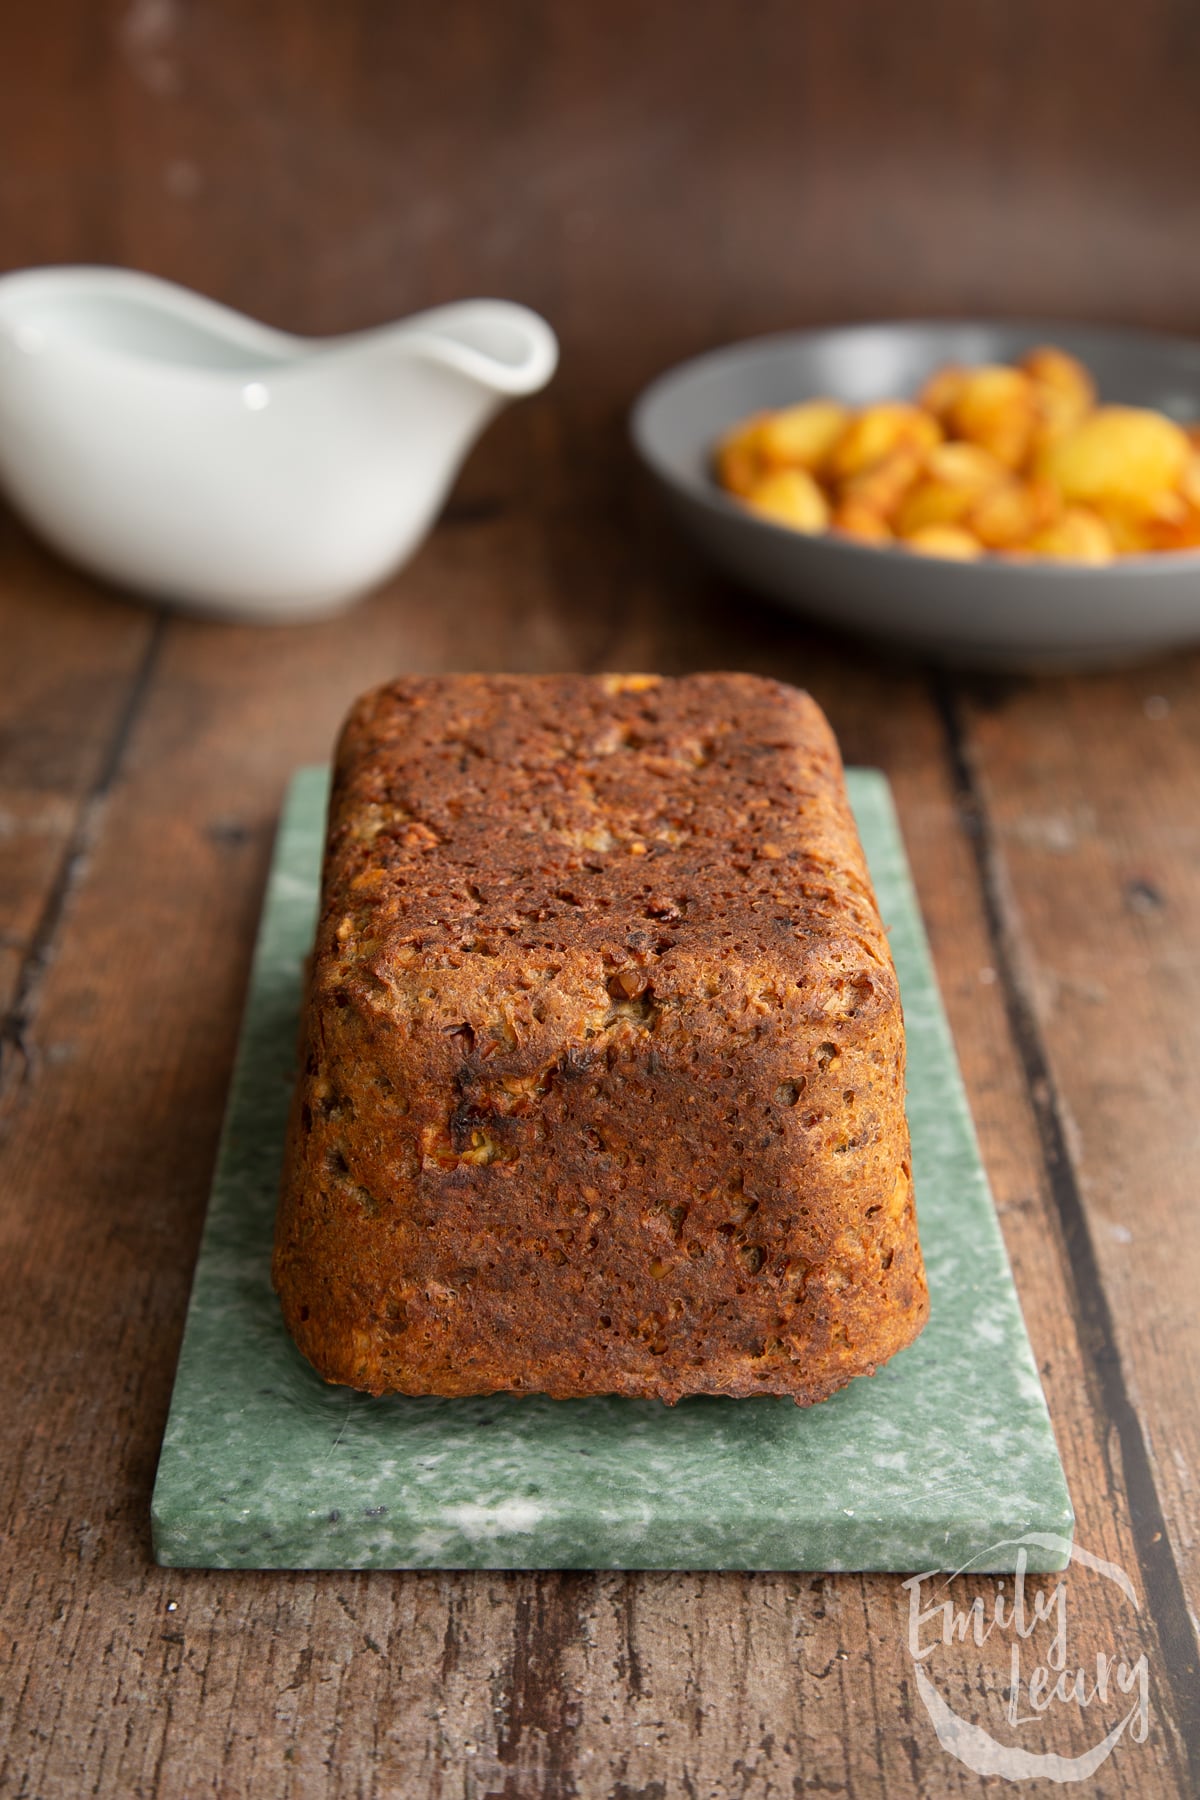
604 1077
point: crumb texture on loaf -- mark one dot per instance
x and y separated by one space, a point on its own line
604 1076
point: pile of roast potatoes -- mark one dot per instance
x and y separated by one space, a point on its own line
1016 461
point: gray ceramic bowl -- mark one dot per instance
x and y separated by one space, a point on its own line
992 613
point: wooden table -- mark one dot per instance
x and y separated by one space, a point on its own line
657 179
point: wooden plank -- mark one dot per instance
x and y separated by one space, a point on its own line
72 660
347 1684
1090 797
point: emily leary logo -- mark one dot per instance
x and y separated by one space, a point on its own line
1029 1626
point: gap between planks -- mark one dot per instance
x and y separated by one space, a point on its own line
18 1053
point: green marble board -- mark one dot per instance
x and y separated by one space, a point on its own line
939 1461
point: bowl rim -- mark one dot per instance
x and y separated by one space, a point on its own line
996 567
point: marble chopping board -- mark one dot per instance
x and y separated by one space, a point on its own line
940 1461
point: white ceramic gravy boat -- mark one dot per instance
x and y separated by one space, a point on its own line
176 447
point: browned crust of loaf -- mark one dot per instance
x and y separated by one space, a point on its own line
604 1075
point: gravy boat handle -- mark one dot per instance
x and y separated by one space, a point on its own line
506 348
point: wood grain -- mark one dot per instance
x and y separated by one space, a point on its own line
658 180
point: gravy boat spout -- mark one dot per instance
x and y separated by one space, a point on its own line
176 447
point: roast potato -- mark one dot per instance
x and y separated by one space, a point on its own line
996 407
956 476
801 437
738 456
1064 391
1080 535
878 430
790 497
1123 455
945 540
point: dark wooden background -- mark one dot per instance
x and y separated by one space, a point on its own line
657 178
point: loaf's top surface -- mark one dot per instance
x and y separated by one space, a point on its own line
493 816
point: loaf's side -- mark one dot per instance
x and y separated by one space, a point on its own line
603 1089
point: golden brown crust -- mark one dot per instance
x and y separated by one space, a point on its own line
605 1058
